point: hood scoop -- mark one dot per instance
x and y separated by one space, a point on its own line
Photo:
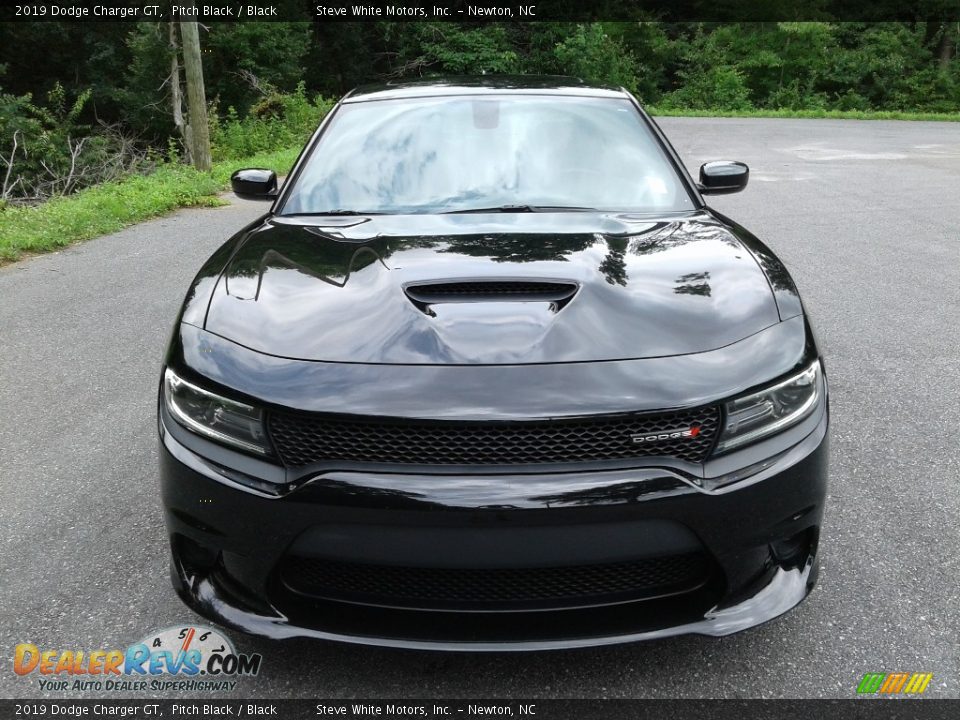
468 291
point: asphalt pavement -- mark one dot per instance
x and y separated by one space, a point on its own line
865 214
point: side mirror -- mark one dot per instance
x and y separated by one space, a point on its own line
254 184
722 177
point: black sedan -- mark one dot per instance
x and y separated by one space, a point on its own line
490 375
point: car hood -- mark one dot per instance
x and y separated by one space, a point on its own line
514 288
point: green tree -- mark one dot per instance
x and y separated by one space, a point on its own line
244 61
590 52
453 49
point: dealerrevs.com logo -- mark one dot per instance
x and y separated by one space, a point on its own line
185 658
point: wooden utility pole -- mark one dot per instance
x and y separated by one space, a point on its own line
199 132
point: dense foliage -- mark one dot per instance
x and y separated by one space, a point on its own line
100 85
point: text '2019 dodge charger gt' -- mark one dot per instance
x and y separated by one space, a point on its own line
490 375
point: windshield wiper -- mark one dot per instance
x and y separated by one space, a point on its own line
495 209
565 208
331 212
521 209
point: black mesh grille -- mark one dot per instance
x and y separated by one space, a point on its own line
306 439
495 588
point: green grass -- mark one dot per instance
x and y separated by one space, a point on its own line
109 207
828 114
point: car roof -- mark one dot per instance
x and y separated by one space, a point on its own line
482 85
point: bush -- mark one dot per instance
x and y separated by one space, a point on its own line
277 122
717 88
851 100
45 152
794 97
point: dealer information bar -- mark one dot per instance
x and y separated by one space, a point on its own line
460 11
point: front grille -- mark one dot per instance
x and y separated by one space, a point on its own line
307 439
494 588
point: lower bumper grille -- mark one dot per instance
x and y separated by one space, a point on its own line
495 588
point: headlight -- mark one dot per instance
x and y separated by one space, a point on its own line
227 421
772 410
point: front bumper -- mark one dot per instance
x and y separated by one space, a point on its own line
760 534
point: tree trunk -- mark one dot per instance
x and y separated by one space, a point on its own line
176 94
945 50
196 97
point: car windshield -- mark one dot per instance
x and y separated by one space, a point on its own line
469 153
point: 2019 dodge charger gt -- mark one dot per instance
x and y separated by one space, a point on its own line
490 374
